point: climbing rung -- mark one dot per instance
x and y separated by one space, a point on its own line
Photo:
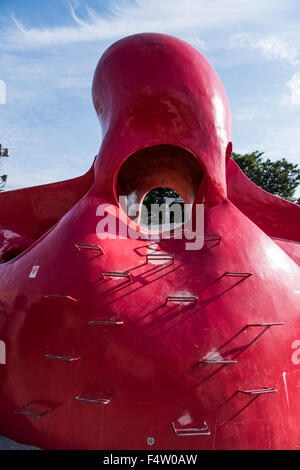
259 391
203 431
37 412
218 362
115 275
182 299
53 296
85 246
181 234
213 237
62 358
160 257
93 398
235 274
265 324
105 322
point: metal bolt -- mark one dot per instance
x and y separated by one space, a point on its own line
150 441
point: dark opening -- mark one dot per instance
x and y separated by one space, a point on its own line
170 203
156 172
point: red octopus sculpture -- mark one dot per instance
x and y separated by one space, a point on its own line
133 343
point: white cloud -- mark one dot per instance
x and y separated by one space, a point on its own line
196 42
48 87
272 47
275 48
74 81
145 15
292 97
250 113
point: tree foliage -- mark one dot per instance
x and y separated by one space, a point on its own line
278 177
160 196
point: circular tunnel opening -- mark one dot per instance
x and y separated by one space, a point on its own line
162 207
162 174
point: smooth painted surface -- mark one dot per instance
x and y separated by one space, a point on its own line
144 366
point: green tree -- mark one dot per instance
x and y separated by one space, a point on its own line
162 195
278 177
159 196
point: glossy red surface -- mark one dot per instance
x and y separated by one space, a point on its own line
99 359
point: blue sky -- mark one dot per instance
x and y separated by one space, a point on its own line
49 50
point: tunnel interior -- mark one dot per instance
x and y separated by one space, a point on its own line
165 167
